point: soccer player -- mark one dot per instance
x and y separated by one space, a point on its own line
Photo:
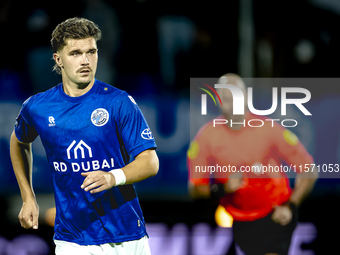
89 130
262 204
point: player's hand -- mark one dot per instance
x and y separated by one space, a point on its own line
29 214
97 181
282 215
234 182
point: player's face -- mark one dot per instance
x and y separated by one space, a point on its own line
227 102
79 59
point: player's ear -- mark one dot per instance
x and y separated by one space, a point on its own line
57 59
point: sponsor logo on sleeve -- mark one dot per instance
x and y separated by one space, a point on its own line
290 137
193 150
146 134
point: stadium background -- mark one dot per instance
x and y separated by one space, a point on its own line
150 49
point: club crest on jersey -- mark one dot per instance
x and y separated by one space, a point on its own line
99 117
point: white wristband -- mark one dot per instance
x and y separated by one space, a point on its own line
119 176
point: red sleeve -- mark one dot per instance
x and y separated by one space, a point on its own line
289 148
197 157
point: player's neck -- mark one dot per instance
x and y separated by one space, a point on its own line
76 90
237 121
236 126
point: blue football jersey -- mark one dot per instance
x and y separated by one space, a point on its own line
99 130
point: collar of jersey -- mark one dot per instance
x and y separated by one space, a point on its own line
80 98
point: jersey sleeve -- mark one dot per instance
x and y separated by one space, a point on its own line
133 128
289 148
198 158
24 128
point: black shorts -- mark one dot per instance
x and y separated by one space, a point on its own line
264 235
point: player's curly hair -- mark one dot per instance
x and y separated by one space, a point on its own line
73 28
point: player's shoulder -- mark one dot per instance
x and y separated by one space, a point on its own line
41 96
113 92
119 99
276 132
207 130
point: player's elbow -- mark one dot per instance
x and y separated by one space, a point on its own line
313 175
154 165
151 162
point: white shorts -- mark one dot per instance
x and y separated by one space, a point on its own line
135 247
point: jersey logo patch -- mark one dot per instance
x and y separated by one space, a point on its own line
132 100
146 134
290 137
51 120
100 117
80 147
193 150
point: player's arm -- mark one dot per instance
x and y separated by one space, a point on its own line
304 184
144 166
293 152
21 156
198 184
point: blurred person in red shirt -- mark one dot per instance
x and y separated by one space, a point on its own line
260 200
